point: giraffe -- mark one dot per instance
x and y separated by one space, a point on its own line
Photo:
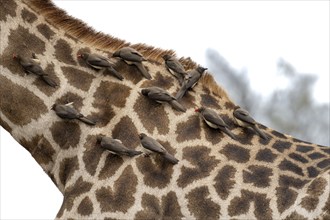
216 177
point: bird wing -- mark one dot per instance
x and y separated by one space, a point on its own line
67 112
160 95
97 60
114 146
244 115
152 145
175 65
131 55
214 118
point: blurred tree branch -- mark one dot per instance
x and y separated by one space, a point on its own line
291 110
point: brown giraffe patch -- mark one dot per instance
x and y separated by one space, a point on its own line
67 168
169 207
66 133
108 94
126 131
303 148
28 16
189 130
214 136
28 43
236 153
72 192
326 209
289 166
152 114
188 100
259 176
130 72
111 165
77 78
201 205
309 203
92 154
241 205
312 172
288 181
121 196
316 155
203 164
323 164
112 94
285 198
298 157
156 174
225 181
159 80
18 104
278 134
245 136
266 155
85 207
314 190
45 30
280 146
209 101
48 90
295 216
8 7
71 97
63 52
326 150
40 149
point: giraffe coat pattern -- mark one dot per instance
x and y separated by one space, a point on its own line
216 176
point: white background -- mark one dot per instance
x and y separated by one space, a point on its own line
252 35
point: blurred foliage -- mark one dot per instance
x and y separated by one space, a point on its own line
290 110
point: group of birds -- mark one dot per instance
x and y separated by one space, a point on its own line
187 80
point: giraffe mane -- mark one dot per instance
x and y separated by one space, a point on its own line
81 31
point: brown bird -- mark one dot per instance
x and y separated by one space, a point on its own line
243 119
154 146
99 62
174 67
115 146
161 95
67 112
214 120
190 81
132 57
31 66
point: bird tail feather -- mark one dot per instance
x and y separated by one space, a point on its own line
48 80
170 158
133 153
87 121
181 93
143 70
115 73
177 106
230 134
260 133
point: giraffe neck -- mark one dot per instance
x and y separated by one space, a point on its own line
216 176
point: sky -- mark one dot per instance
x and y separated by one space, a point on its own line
250 35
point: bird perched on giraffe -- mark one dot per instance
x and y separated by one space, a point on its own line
99 62
132 57
161 95
31 65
